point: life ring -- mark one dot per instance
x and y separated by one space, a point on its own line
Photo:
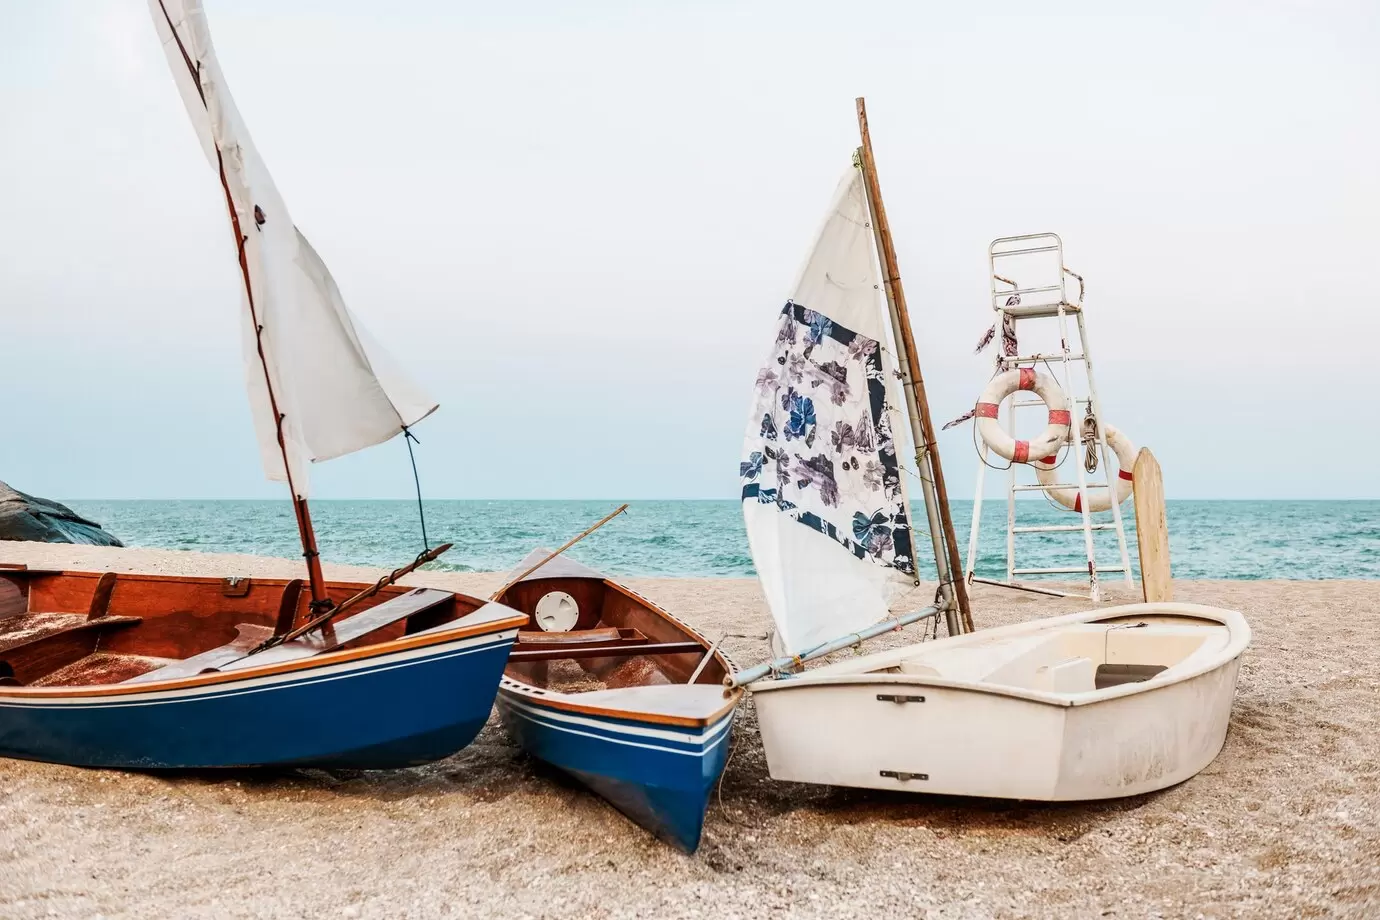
1071 499
996 438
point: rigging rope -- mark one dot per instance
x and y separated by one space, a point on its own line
408 438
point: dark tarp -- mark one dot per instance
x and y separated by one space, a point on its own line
24 517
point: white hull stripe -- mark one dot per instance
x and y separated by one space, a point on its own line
272 682
536 719
687 736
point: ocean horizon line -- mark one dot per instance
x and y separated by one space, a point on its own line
616 501
1242 538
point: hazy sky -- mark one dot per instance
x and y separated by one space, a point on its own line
576 224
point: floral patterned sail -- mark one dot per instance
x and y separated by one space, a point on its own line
824 496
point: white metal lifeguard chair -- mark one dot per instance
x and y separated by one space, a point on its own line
1037 260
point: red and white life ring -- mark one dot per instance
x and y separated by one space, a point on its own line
1071 499
996 437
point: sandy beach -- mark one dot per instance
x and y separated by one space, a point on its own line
1285 823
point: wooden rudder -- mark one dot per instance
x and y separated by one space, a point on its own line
1152 529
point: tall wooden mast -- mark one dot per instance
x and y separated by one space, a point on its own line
922 427
319 599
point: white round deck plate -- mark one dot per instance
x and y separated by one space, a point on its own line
557 612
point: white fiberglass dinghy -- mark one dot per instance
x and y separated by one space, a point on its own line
1093 705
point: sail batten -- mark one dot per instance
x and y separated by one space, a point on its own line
319 386
824 495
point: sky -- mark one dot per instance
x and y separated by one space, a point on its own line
575 224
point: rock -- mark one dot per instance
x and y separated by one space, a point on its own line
24 517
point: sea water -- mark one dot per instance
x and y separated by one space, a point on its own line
1208 539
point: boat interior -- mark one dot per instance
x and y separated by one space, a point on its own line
585 633
1071 658
69 629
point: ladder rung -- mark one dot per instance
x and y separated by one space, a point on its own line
1039 402
1040 487
1047 289
1059 528
1065 570
1034 311
1003 253
1039 359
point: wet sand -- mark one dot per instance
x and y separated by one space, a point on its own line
1285 823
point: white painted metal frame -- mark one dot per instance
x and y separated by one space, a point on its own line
1051 302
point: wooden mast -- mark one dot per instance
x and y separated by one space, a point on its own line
922 427
319 599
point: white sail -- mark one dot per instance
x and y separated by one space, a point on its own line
336 391
824 496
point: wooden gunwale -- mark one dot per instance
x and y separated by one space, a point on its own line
405 643
729 664
181 579
563 701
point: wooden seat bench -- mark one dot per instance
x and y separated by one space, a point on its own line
28 628
231 656
249 636
101 668
33 645
605 642
536 637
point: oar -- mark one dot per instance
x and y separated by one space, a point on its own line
569 543
349 602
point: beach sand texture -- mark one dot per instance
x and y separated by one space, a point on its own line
1285 823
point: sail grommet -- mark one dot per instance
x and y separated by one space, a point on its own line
1054 436
1070 497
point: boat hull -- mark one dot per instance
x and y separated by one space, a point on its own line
973 743
384 711
871 723
659 776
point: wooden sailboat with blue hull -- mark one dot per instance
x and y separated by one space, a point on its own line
147 671
618 693
145 680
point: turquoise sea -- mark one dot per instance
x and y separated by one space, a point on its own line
1209 539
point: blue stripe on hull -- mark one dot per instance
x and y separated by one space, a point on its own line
662 783
391 711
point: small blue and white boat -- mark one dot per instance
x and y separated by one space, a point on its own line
154 672
615 691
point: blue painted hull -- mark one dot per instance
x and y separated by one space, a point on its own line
393 710
661 777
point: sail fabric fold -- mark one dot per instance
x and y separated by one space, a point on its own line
824 497
336 390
